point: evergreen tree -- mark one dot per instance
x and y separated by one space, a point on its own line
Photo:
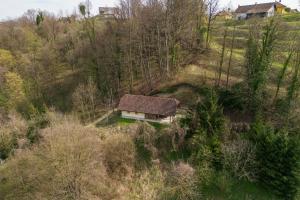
294 85
282 74
258 62
278 160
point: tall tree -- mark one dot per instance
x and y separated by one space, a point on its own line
258 62
212 8
222 57
230 56
282 74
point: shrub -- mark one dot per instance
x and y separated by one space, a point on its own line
67 164
233 99
8 142
210 126
210 115
147 185
205 151
182 183
11 131
146 137
219 184
118 155
239 159
37 123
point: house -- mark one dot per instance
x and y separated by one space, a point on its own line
224 14
107 12
294 11
260 10
147 108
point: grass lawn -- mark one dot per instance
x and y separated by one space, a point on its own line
225 187
291 17
124 122
116 119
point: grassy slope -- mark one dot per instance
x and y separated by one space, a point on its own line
194 79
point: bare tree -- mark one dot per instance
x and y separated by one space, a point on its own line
212 8
230 56
84 99
239 158
222 57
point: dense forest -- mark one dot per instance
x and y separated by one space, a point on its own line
238 83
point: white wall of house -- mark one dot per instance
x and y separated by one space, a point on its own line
271 12
241 16
133 115
142 116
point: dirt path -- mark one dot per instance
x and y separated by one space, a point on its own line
103 117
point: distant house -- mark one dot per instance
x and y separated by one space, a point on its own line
107 12
260 10
224 14
294 11
146 108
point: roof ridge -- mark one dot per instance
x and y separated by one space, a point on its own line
148 104
262 4
151 96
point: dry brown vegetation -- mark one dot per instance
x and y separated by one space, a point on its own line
75 162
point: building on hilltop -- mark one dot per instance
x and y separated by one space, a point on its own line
107 12
260 10
147 108
225 14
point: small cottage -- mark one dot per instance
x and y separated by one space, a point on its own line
260 10
147 108
224 14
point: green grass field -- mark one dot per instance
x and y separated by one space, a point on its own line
224 187
115 119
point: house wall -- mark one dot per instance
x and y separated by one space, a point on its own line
133 115
241 16
271 12
281 10
142 116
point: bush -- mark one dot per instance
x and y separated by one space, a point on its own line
218 185
11 131
206 151
239 159
145 139
182 183
147 185
211 116
233 99
278 160
8 142
119 155
67 164
37 123
208 127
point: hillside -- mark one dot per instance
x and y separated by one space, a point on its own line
234 133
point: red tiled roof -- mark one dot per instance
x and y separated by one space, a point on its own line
148 105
